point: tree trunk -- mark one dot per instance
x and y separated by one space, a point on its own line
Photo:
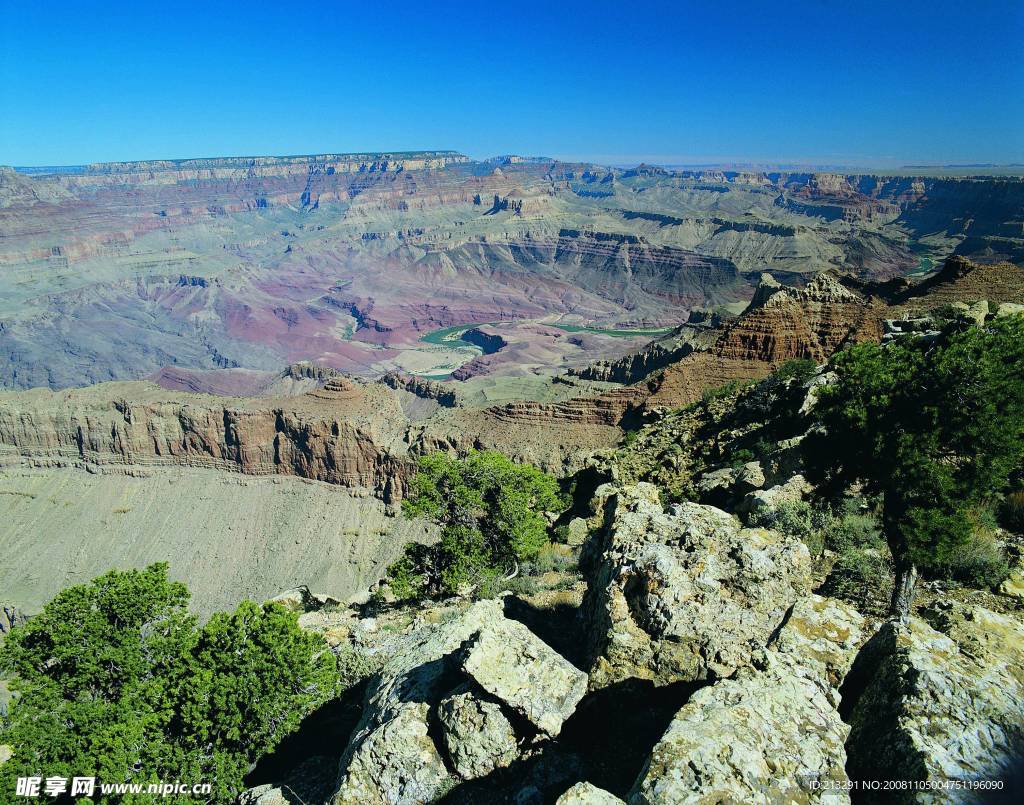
903 591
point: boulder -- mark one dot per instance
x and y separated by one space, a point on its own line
1013 584
773 732
764 736
785 461
716 486
452 690
1009 309
685 595
6 753
478 736
939 706
763 502
266 794
511 663
577 531
10 616
823 635
814 387
391 757
588 794
977 313
298 599
397 762
749 477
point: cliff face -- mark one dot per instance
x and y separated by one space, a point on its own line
961 280
621 268
330 437
364 435
783 323
670 349
811 322
353 435
422 388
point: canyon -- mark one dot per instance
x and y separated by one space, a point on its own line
326 320
120 271
234 366
310 423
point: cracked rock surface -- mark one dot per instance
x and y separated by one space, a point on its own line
685 594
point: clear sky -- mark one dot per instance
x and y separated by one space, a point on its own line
826 82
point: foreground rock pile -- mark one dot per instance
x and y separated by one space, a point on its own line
483 683
769 692
944 703
772 732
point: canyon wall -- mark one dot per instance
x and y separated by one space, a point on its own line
331 437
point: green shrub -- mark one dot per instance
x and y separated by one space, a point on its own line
978 562
549 558
798 369
492 517
730 389
494 584
737 458
763 447
946 313
853 530
798 519
354 665
862 577
116 679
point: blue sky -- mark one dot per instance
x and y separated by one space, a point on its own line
828 82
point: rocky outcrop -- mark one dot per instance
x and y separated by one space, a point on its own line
607 409
772 732
466 683
478 736
765 736
781 323
10 616
962 280
507 661
938 704
489 343
760 504
810 322
615 266
423 388
687 594
823 636
681 342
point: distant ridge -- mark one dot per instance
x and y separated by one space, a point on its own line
442 157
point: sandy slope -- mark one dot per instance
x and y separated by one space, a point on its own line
228 537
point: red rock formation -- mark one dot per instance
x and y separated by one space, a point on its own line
964 281
344 434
